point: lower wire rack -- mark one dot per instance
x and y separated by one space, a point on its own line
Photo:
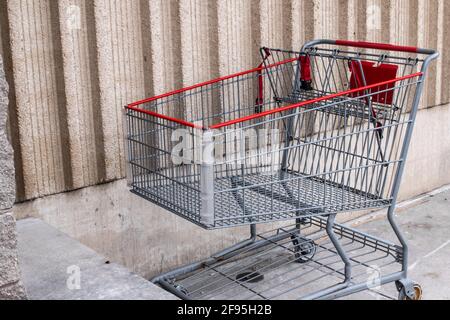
285 264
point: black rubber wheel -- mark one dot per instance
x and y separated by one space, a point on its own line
304 249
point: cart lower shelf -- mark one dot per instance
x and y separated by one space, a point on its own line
281 264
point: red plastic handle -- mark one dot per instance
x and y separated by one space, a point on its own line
379 46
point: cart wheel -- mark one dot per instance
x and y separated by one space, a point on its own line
182 289
304 249
417 295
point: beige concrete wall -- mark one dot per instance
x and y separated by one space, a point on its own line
73 64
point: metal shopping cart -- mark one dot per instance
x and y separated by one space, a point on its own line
303 137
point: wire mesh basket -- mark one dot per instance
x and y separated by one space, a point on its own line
304 134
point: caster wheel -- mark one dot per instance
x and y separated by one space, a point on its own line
304 249
182 289
416 295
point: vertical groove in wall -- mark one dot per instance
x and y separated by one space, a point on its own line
361 19
352 19
128 71
121 73
308 20
34 78
61 101
213 33
146 47
413 26
440 48
274 23
343 9
197 47
427 24
288 24
256 34
94 93
54 150
2 26
237 42
445 54
400 22
12 110
214 64
81 117
386 21
373 20
403 17
299 27
327 22
106 85
165 33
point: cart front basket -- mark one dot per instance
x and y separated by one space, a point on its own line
304 134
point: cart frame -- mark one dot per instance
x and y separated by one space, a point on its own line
407 288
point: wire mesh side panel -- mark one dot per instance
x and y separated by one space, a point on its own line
165 135
158 174
325 149
326 156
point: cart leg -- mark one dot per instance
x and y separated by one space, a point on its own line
401 239
340 250
348 268
253 232
399 174
407 289
347 265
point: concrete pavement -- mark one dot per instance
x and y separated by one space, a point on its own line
49 258
57 267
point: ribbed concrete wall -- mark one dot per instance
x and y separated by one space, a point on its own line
73 64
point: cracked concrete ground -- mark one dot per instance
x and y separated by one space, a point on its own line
426 227
424 222
57 267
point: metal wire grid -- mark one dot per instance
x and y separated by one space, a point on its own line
272 271
226 99
153 174
264 198
331 170
332 155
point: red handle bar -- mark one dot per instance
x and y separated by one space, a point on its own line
379 46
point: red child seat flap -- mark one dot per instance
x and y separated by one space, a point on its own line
373 73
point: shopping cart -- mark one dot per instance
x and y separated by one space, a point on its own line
303 137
